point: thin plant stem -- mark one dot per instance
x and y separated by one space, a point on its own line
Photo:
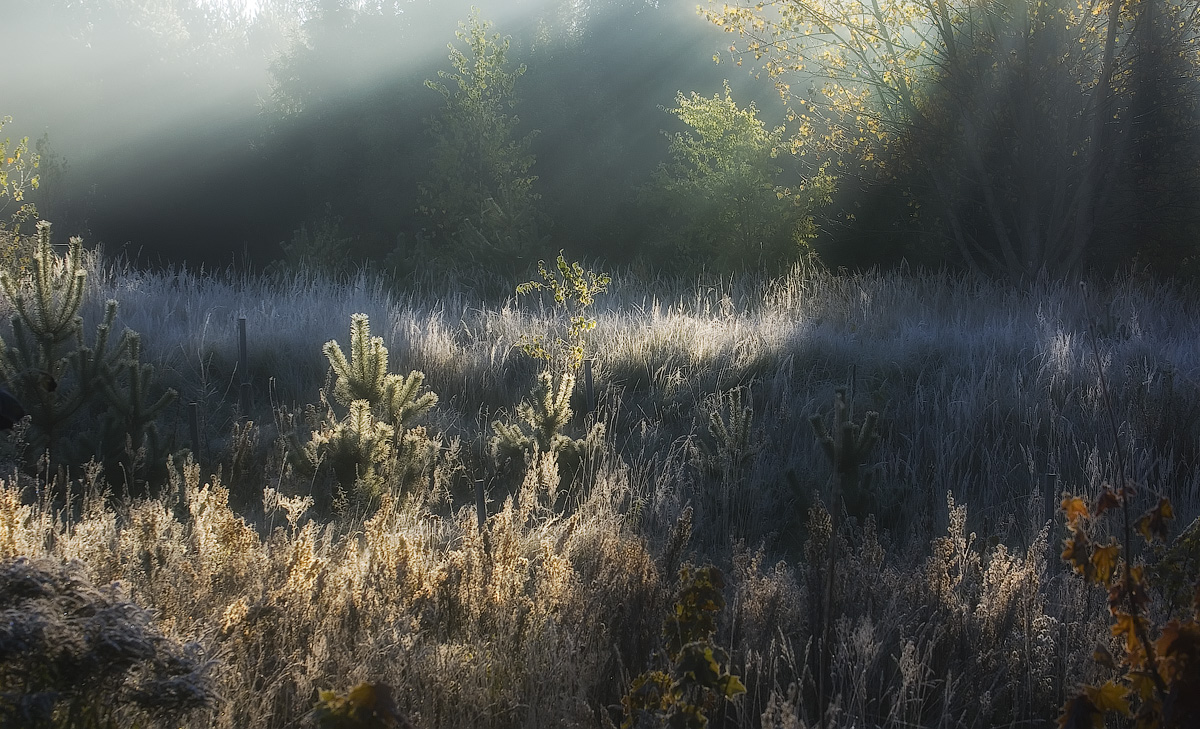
1123 490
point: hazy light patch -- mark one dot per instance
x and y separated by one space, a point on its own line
110 84
249 8
96 86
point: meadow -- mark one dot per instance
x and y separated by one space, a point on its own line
931 594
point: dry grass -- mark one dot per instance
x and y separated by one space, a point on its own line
942 615
498 633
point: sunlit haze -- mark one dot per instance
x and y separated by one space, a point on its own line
163 111
220 130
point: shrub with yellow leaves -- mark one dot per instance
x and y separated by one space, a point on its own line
366 706
18 175
699 677
1162 676
1160 685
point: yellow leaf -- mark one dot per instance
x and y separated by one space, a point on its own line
1108 500
1077 551
1104 657
363 695
1074 507
1127 627
731 686
1105 560
1153 524
1109 697
1143 684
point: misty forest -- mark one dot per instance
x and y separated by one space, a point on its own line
399 364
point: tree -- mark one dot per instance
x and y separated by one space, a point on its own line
599 115
723 188
480 190
1159 181
1005 120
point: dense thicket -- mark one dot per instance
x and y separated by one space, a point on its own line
1025 138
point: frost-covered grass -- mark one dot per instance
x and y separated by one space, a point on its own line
982 389
948 611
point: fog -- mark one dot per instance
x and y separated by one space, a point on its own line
168 140
222 133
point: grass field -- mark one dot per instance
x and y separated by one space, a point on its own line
942 603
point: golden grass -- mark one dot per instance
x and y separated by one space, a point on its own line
542 619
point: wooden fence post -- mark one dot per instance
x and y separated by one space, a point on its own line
1051 479
245 393
194 423
588 385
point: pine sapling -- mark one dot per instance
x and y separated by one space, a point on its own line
55 374
354 447
846 447
375 436
126 387
403 402
733 442
549 413
48 331
541 419
364 376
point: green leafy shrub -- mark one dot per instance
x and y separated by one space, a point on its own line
18 175
77 656
574 290
698 678
542 416
724 190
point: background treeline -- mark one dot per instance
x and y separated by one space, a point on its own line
1012 138
311 120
